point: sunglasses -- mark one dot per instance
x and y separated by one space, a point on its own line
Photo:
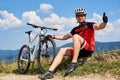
80 15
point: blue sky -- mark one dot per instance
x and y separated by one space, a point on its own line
14 14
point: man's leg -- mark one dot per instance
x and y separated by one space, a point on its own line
77 41
58 59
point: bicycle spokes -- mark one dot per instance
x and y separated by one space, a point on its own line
24 59
24 55
47 51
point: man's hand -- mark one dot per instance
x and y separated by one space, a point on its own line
52 36
105 18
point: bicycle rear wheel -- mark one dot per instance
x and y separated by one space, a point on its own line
46 53
24 59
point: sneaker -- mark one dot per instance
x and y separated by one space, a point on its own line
71 67
47 75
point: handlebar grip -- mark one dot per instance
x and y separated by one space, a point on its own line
28 24
34 26
55 29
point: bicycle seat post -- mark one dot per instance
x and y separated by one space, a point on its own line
29 32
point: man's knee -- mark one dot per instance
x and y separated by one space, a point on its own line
62 51
78 37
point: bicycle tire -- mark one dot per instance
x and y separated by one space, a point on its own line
24 57
44 63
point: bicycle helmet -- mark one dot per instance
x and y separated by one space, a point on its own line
79 11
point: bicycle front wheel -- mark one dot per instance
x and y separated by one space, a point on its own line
46 53
24 59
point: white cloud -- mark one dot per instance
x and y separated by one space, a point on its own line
96 18
31 17
46 8
53 19
116 27
117 23
8 20
63 24
114 13
111 31
106 31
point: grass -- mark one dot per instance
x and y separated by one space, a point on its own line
100 67
108 62
8 68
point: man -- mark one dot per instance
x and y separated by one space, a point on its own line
83 42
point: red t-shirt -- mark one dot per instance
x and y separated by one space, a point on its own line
87 32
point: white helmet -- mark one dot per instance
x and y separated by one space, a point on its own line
79 11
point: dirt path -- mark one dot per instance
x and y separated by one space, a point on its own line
59 77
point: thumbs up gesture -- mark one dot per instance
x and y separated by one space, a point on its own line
105 18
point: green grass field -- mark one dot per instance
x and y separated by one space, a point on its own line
106 62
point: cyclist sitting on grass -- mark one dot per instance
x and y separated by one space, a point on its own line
83 42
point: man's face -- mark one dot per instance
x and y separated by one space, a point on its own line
80 18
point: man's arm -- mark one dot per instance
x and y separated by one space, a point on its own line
103 24
99 26
64 37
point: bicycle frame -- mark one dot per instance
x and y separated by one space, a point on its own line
32 54
39 34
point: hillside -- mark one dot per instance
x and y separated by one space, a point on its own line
10 55
101 46
98 67
107 46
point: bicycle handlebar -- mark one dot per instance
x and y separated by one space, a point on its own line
42 27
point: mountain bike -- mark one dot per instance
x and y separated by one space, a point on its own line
44 50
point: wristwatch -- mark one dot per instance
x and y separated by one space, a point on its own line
53 36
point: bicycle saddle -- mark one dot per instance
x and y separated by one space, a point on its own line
28 32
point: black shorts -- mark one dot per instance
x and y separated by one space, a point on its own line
85 53
82 53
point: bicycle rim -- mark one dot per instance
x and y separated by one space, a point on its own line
46 54
24 59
